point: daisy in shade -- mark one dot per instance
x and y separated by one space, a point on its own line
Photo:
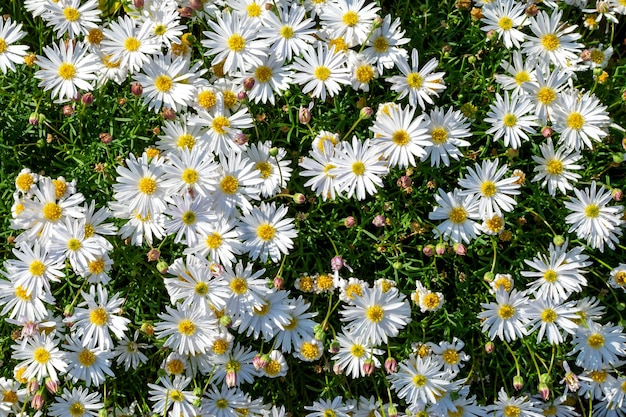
421 381
553 41
598 345
65 69
334 407
267 233
321 71
592 219
78 402
350 19
11 32
129 45
519 73
554 167
618 277
459 214
41 357
299 327
237 364
238 183
445 131
558 274
580 120
190 172
517 406
69 16
418 84
100 317
171 398
505 17
274 169
354 351
219 240
552 319
384 45
359 168
377 314
270 77
129 353
510 119
494 192
506 318
399 136
91 365
234 40
185 216
187 329
166 82
319 165
21 304
223 401
289 31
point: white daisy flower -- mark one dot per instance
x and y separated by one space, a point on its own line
505 18
350 19
77 402
598 345
224 128
552 319
519 74
618 277
321 71
334 407
277 365
177 135
274 169
270 77
418 84
171 397
362 71
546 90
191 171
69 241
237 364
11 32
299 327
165 24
319 165
289 31
41 357
444 133
69 16
506 318
89 364
186 215
580 120
421 381
187 329
384 45
264 321
19 303
554 167
451 354
238 183
129 353
510 119
358 168
519 406
459 214
354 350
222 402
126 43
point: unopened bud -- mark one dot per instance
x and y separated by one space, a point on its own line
547 131
299 198
153 255
273 152
248 83
366 112
196 4
168 114
617 194
490 347
488 276
392 411
138 4
33 119
68 310
558 240
217 270
147 328
87 99
231 379
241 139
242 95
304 115
368 367
185 11
336 263
37 401
32 386
52 386
460 249
319 332
68 110
512 153
337 369
585 55
162 266
226 321
136 89
379 221
518 382
428 250
618 158
440 248
391 365
532 10
349 222
544 391
278 282
105 138
103 413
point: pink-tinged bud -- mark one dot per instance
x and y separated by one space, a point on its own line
532 10
460 249
617 194
391 365
366 112
349 222
168 114
544 391
404 182
585 55
379 221
547 131
368 367
278 282
242 95
571 379
105 138
153 255
248 83
299 198
68 110
304 115
196 4
337 369
490 347
217 270
241 139
518 382
68 310
185 11
334 347
52 386
136 89
37 401
440 248
428 250
32 386
256 361
162 267
87 99
33 119
336 263
231 379
392 411
138 4
226 321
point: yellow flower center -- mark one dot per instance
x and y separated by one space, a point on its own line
3 46
286 32
254 10
21 293
163 83
592 211
86 358
229 185
190 176
24 181
89 230
503 283
239 286
95 36
458 413
352 290
206 99
431 300
512 411
548 315
74 244
52 212
132 44
375 313
322 73
236 42
265 169
214 240
293 323
509 120
595 340
219 124
550 42
505 23
67 71
110 64
176 396
329 413
77 410
71 14
60 188
364 74
186 141
339 44
201 288
358 168
263 74
439 135
188 218
220 346
546 95
419 380
186 327
522 77
309 350
327 168
272 368
9 397
549 411
597 56
230 99
324 282
160 29
96 267
266 232
357 351
450 356
221 404
381 44
41 355
620 278
488 188
306 283
554 167
99 316
350 18
506 311
37 268
400 137
495 224
175 366
414 80
575 121
550 276
457 215
147 185
598 376
261 311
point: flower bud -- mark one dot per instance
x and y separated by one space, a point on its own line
153 255
547 131
585 55
147 328
440 248
618 158
217 270
368 367
532 10
512 153
488 276
103 413
241 139
226 321
33 119
379 220
273 151
518 382
617 194
264 360
105 138
336 263
136 89
391 365
278 282
162 266
256 361
196 4
392 411
544 391
68 310
138 4
366 112
68 110
248 83
319 332
334 347
429 250
32 386
51 386
87 99
460 249
337 369
299 198
304 115
168 114
231 379
185 11
349 222
490 347
558 240
404 182
37 401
